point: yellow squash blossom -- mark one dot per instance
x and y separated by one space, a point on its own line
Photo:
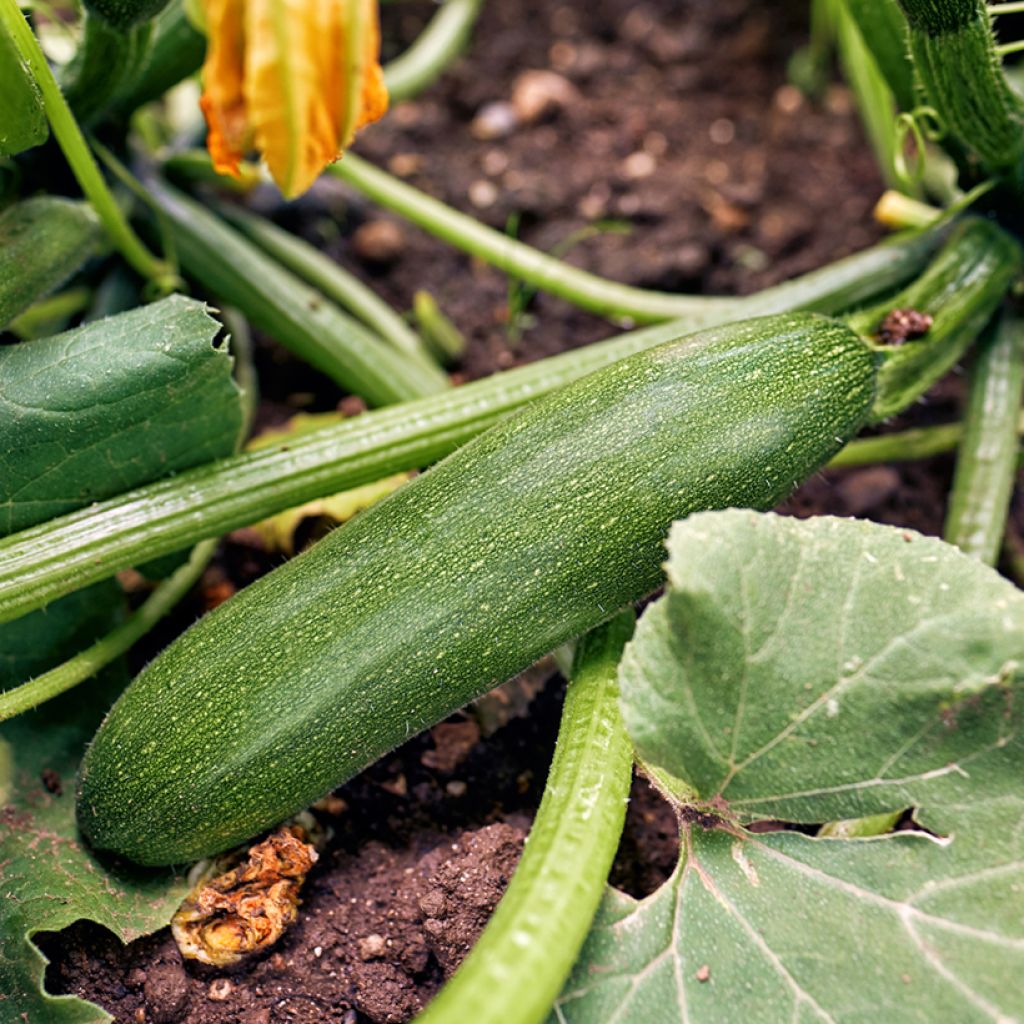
293 79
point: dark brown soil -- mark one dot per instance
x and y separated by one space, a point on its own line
682 128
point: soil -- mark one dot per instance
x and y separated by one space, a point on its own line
673 123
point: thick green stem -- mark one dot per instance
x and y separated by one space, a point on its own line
435 48
328 277
960 290
986 464
958 66
234 270
41 563
106 58
83 166
520 962
87 663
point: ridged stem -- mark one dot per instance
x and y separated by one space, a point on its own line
960 290
518 966
83 166
87 663
958 66
329 278
986 464
236 271
435 48
41 563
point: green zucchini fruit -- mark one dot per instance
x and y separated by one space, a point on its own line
534 532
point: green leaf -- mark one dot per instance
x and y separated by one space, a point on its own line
84 415
820 669
43 241
111 405
806 671
48 879
23 124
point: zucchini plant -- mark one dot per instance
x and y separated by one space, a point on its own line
829 707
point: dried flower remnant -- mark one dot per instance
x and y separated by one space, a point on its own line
246 909
902 325
294 79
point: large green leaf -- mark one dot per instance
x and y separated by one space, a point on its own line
82 416
48 879
111 405
23 124
805 671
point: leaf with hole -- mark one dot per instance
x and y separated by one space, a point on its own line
800 672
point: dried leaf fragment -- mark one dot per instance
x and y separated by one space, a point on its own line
230 915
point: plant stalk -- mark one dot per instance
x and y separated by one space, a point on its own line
435 48
236 271
515 258
41 563
331 279
518 966
986 464
83 166
87 663
958 66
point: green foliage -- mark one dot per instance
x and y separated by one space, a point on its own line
803 671
49 879
115 403
123 14
83 415
23 124
43 241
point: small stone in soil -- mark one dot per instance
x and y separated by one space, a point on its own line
537 94
220 990
494 121
379 241
372 947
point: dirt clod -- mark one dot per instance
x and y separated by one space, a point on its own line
165 991
900 325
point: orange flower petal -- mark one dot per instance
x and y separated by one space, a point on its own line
295 77
223 103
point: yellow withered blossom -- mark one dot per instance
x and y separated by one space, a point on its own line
293 79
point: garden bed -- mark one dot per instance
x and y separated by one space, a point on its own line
728 180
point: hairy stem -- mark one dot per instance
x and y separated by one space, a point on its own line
518 966
88 662
986 464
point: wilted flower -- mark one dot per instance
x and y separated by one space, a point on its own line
293 79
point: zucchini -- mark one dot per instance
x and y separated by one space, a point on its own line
531 534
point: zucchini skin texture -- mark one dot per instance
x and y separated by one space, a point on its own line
534 532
